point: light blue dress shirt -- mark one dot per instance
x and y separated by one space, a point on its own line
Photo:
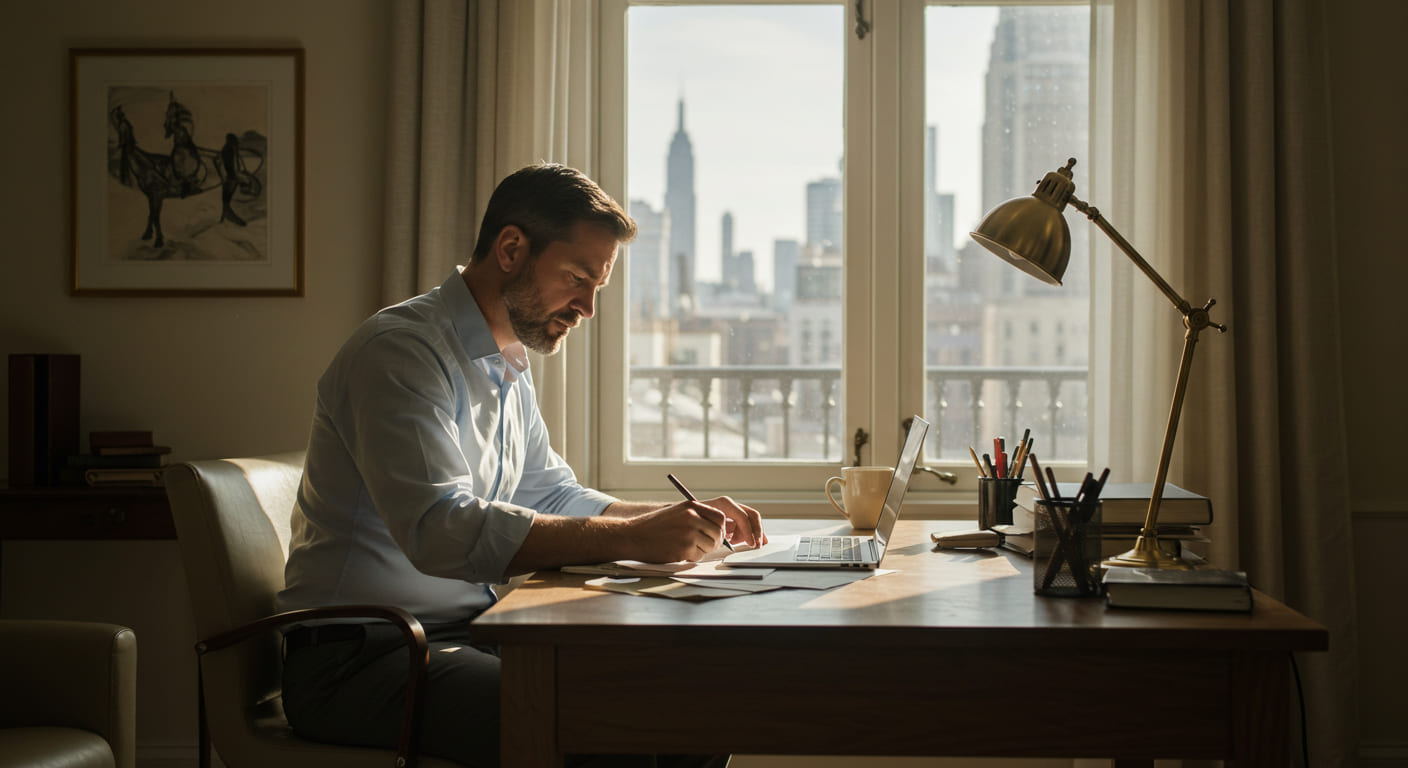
427 461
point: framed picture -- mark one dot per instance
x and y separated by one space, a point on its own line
187 172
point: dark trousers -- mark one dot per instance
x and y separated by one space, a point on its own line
347 685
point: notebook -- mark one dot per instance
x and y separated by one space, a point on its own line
843 551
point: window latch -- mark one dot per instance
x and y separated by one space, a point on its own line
862 437
947 477
862 26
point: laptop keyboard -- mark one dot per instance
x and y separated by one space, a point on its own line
837 549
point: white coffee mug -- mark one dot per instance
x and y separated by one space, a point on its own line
863 492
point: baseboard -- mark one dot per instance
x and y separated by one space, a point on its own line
1382 753
173 754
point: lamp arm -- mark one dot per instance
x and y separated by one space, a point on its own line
1146 550
1093 213
1180 388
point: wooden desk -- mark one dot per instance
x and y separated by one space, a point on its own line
952 655
84 514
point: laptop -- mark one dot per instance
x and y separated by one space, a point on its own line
843 551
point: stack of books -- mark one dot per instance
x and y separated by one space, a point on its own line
1201 589
127 457
1182 514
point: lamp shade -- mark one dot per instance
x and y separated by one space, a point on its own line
1029 233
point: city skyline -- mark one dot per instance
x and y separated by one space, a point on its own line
674 53
977 311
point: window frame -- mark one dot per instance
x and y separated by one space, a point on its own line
884 112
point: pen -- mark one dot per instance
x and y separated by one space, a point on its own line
1024 448
1040 481
981 472
690 496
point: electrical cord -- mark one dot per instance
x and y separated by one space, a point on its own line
1300 698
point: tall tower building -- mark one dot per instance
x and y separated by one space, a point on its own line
679 203
726 249
1036 101
824 213
646 260
938 211
785 255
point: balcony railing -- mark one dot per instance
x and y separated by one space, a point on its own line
792 412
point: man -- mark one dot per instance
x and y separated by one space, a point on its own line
429 476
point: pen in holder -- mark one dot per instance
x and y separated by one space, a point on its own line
1066 556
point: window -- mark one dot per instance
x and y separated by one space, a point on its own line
800 284
1006 102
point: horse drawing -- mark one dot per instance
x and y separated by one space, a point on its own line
185 171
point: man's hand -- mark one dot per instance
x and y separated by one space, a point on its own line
670 533
745 525
632 530
688 531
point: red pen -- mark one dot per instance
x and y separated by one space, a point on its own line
999 446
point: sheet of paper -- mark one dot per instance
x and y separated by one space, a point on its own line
705 570
801 578
655 586
743 585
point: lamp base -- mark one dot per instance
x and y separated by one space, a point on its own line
1147 554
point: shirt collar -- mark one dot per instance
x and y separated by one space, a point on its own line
472 328
470 325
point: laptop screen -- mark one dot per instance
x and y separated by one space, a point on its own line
899 482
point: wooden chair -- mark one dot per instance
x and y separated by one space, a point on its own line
232 524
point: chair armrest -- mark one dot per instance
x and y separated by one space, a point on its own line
78 674
408 749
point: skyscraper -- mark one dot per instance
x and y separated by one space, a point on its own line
1035 110
1035 118
645 263
785 255
824 213
726 250
680 204
938 210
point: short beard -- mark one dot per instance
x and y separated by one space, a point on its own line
531 322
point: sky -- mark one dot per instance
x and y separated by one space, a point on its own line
763 93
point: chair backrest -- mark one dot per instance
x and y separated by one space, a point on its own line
232 524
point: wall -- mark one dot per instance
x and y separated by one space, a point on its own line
210 376
1369 111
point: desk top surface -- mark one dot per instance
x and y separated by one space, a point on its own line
939 598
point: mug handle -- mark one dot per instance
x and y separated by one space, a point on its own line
832 499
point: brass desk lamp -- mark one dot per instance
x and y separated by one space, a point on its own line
1031 234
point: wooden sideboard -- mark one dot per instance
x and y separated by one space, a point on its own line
84 514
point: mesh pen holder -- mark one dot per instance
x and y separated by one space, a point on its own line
1066 559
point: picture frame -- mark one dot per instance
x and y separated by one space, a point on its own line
186 171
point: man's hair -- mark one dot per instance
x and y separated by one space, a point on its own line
546 201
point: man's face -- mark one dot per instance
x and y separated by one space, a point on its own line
550 294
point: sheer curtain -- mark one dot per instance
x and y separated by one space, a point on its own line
478 90
1211 125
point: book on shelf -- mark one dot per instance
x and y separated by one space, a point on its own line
114 438
138 460
1129 502
1199 589
133 450
108 477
